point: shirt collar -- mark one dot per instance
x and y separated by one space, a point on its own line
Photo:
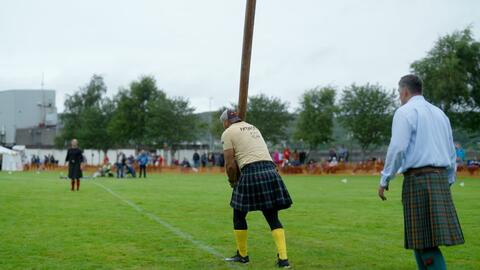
417 97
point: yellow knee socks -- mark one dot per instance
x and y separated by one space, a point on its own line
241 239
279 238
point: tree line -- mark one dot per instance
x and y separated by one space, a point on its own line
143 116
139 116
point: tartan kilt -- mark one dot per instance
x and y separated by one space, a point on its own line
430 218
260 187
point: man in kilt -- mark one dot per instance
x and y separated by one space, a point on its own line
422 149
75 159
256 184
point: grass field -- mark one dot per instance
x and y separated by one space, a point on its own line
183 221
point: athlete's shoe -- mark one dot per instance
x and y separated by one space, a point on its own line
282 263
238 258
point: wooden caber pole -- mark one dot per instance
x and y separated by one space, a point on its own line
246 57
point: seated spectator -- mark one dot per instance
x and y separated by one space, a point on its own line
332 154
104 170
107 170
333 163
185 163
175 162
330 166
343 154
312 167
130 166
130 170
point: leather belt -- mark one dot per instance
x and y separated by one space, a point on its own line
424 170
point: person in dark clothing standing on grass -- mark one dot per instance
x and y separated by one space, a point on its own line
142 163
196 160
204 160
422 149
121 164
75 160
256 184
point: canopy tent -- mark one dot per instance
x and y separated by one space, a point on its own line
11 160
6 151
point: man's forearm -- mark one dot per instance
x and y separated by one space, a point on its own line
232 173
393 163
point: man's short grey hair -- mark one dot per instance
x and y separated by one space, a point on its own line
412 82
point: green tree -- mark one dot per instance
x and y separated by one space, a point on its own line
145 116
315 116
366 111
171 122
451 76
129 123
87 113
270 115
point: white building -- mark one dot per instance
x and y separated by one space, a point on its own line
29 110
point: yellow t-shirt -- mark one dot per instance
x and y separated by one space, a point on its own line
247 142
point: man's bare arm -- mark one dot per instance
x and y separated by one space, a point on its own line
231 166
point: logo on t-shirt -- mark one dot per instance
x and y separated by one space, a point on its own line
250 128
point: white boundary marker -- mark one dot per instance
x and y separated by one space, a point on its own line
171 228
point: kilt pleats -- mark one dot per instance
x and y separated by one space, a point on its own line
430 218
260 187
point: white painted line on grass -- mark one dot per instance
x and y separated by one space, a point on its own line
168 226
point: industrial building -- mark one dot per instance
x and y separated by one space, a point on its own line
28 117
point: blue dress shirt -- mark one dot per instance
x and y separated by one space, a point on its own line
421 136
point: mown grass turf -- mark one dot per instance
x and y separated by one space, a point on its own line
332 225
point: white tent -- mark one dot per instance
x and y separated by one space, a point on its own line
11 161
21 151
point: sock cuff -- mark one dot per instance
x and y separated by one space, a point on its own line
277 231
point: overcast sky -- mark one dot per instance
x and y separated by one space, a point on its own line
193 48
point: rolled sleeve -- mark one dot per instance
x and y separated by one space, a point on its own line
226 141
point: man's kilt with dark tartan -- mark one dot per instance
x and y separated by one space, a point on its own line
430 219
260 187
